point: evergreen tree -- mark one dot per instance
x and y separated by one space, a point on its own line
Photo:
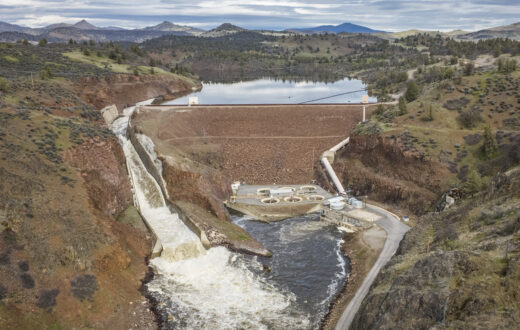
490 144
412 92
474 183
402 106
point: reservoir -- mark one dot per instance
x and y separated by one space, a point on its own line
271 91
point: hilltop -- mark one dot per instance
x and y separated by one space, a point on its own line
511 31
341 28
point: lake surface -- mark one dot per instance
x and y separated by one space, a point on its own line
270 91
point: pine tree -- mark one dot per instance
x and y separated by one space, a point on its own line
412 92
402 106
473 184
490 144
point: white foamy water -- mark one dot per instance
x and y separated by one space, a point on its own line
203 289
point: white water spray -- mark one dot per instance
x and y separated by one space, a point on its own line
203 289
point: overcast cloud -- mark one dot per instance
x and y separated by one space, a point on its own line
389 15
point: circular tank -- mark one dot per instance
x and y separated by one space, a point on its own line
270 200
293 199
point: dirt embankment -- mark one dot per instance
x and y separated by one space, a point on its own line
204 149
381 168
103 169
362 248
125 90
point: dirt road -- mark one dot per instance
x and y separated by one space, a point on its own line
395 231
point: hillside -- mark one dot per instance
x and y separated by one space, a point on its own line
73 248
509 31
457 136
341 28
455 269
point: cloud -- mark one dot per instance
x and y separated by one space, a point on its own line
389 15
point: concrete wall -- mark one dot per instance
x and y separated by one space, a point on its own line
152 169
110 113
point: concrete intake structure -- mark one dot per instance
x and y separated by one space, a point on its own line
333 176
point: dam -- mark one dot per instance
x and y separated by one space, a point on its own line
192 153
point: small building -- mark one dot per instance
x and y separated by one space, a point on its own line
193 100
234 187
354 202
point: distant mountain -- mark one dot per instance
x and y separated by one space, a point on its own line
54 26
83 30
345 27
6 27
171 27
509 31
14 36
407 33
228 27
223 29
84 25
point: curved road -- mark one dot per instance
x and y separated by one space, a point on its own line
395 231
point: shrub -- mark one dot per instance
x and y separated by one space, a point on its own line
46 73
4 85
469 118
42 42
468 69
429 114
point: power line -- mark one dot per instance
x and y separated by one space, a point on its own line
329 97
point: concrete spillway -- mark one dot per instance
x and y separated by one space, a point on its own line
199 288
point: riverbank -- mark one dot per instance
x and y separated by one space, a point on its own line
362 248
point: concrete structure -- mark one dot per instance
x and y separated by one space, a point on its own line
193 100
110 114
364 100
333 176
274 203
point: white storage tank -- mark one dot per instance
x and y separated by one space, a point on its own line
337 205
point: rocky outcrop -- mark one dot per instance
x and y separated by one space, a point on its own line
455 269
385 170
125 90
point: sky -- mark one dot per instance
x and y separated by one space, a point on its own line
387 15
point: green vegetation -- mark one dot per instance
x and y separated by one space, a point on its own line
412 92
4 85
11 59
402 106
506 66
489 147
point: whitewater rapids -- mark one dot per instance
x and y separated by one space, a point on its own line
199 288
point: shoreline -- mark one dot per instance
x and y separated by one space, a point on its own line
362 249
